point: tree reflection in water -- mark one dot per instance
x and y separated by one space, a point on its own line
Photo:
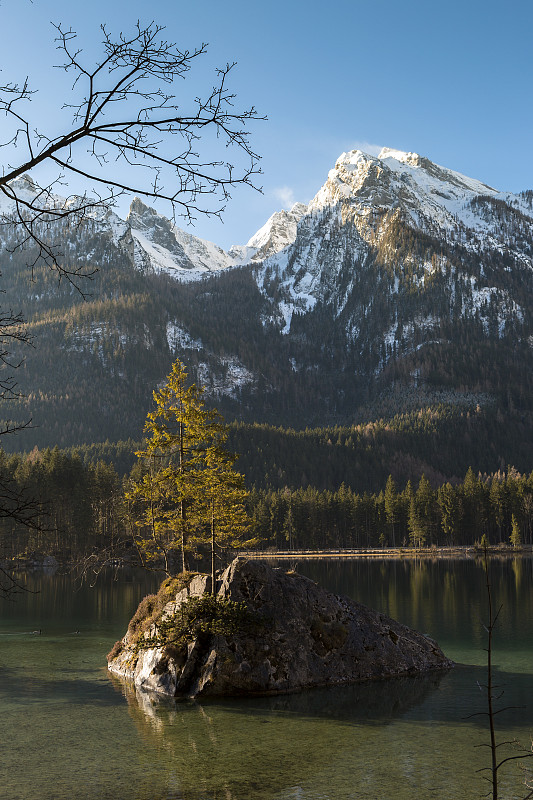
264 747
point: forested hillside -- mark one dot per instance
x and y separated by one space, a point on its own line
386 328
440 442
95 363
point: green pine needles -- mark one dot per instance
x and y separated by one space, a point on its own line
186 495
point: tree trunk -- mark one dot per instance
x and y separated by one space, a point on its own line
213 583
182 504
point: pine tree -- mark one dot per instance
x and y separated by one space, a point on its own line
188 493
221 500
516 538
420 518
416 524
391 506
450 509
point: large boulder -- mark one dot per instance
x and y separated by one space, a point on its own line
301 636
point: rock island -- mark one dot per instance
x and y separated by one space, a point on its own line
276 632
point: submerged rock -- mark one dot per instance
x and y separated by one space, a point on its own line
301 637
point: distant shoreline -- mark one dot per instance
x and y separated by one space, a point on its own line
459 551
50 565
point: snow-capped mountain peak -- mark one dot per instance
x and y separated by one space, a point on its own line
430 195
161 246
399 273
369 206
280 227
26 190
278 232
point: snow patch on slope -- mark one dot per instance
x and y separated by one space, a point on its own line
180 339
226 378
504 308
219 375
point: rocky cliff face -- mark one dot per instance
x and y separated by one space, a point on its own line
302 637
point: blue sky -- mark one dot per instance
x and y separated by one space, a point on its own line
451 81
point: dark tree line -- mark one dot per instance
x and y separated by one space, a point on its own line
79 505
418 515
83 511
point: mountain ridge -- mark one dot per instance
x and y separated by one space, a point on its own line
401 282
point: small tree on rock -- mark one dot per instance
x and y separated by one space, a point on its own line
223 495
188 493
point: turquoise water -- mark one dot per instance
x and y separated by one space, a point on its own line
69 730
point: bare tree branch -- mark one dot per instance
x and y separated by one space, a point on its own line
26 512
129 134
492 698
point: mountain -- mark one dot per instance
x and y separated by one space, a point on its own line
417 223
413 273
402 285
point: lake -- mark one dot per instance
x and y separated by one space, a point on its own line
70 731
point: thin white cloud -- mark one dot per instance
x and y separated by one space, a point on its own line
285 196
367 147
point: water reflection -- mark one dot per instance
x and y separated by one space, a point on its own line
261 747
443 597
69 731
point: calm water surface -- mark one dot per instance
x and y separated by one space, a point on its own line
69 730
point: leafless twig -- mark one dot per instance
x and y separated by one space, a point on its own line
129 133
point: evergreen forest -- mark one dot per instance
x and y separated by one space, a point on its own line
83 512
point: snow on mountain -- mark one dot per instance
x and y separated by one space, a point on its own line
180 339
400 276
278 232
218 375
155 244
161 246
25 188
428 193
381 230
358 215
152 241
